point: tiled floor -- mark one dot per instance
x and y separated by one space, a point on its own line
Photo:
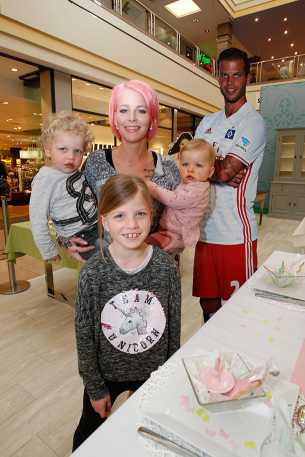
40 390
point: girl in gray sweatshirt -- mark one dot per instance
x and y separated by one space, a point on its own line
128 304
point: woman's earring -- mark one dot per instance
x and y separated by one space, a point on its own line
150 128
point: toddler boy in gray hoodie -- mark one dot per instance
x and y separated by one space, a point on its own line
60 192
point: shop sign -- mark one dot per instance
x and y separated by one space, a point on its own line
203 58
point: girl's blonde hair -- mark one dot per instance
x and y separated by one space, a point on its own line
66 121
117 191
202 145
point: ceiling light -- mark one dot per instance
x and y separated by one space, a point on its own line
182 8
196 20
269 39
14 69
207 30
283 60
285 32
4 103
291 45
101 88
295 53
272 57
8 120
73 79
285 19
88 84
256 19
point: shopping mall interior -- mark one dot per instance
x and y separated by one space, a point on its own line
67 55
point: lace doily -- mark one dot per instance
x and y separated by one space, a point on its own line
150 389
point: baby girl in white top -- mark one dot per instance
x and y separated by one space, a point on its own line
60 191
185 206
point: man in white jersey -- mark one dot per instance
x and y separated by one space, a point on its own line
226 255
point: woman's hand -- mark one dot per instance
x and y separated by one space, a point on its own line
78 245
102 406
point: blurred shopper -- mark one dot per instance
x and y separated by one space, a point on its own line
4 185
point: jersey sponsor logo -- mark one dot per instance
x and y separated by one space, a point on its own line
133 321
245 141
230 134
209 130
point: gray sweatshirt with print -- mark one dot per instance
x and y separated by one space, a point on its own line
64 198
127 325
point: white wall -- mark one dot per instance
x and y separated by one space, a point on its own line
111 38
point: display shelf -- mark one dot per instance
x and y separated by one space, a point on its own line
287 194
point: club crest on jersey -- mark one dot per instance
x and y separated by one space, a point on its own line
209 130
230 134
245 141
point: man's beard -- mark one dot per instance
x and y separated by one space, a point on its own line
240 95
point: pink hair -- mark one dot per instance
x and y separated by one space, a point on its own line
151 100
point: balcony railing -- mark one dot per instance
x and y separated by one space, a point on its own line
148 22
278 69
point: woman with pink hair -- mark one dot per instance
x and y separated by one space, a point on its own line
134 120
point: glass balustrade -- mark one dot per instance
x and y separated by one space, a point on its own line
144 19
278 69
165 33
300 66
187 49
136 14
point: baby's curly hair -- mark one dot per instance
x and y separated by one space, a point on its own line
66 121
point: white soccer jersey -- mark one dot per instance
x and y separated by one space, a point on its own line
241 135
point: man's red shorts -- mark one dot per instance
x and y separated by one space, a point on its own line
221 269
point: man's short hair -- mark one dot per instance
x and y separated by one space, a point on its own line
234 54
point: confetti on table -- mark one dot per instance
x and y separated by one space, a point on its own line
268 394
185 403
202 414
250 444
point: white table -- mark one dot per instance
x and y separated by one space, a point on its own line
258 327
